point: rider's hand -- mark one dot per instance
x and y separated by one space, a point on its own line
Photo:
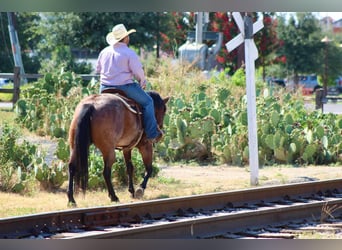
143 84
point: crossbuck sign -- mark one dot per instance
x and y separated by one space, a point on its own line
247 30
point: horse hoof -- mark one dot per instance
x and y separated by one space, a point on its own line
115 199
72 204
139 193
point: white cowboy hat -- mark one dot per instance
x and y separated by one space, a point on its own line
118 32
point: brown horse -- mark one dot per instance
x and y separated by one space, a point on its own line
109 123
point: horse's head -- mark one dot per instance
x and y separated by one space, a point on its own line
159 107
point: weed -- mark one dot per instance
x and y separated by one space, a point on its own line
327 211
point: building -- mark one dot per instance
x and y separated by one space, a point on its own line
337 26
329 25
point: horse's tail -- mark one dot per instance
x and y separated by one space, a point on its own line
81 147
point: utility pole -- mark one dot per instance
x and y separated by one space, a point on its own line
15 44
199 28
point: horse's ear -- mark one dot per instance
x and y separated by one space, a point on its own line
166 99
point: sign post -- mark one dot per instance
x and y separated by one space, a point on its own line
247 30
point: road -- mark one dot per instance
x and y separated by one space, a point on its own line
6 105
335 108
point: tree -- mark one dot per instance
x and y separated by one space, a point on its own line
267 42
64 33
152 28
25 23
301 37
221 22
331 62
266 39
175 34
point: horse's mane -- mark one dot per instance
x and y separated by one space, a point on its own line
157 100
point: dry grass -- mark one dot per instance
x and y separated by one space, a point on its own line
171 79
7 116
328 211
172 181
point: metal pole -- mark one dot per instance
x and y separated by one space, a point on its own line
199 28
326 41
251 102
326 70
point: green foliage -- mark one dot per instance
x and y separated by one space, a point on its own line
62 151
26 26
214 126
96 180
62 56
239 77
18 154
206 121
16 161
47 105
302 47
50 177
22 163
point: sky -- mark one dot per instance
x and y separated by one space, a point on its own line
334 15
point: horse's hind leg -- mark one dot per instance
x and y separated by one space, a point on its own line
71 200
130 170
109 160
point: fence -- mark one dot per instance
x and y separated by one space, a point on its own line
16 77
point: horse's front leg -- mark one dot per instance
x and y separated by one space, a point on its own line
146 153
109 159
129 169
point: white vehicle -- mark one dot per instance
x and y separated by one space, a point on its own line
3 81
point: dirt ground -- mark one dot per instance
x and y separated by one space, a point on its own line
220 178
171 182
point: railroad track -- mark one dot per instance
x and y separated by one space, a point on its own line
267 212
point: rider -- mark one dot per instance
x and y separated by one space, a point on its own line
119 67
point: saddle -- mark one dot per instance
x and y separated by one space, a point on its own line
133 107
131 104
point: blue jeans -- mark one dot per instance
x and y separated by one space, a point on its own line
135 92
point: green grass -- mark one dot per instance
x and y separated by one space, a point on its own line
164 180
6 116
5 97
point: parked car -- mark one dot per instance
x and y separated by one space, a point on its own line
335 90
275 82
338 81
309 84
279 82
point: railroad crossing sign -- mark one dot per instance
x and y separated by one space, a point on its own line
247 30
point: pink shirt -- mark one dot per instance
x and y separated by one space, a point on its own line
119 65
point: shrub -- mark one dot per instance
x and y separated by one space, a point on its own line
22 163
15 161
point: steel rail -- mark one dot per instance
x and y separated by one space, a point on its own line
61 221
216 225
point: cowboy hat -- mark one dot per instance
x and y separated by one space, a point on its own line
118 32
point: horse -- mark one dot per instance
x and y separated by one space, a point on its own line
109 121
